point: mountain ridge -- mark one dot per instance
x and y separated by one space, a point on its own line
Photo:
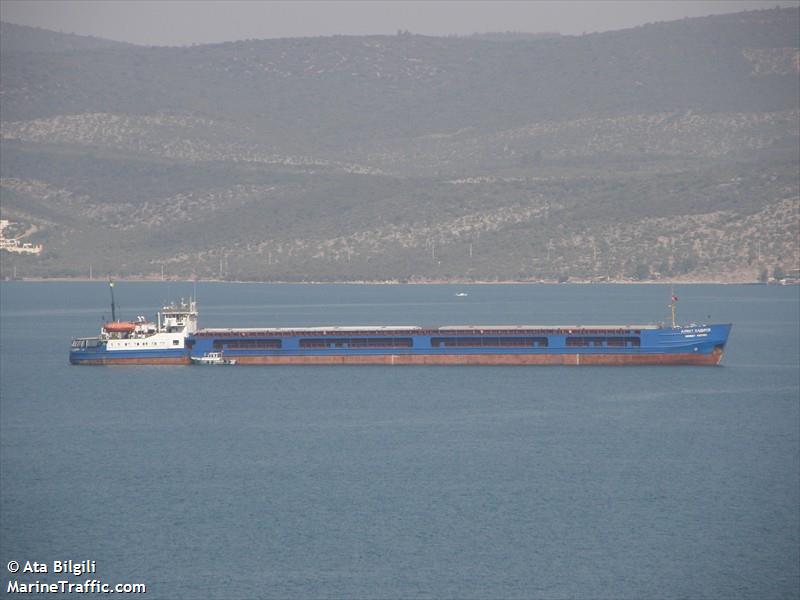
16 38
412 157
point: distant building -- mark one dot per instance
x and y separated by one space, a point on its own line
13 244
792 277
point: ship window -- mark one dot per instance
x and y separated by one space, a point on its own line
583 342
381 342
489 342
599 342
175 342
262 344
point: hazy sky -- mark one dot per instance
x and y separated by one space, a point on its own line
182 22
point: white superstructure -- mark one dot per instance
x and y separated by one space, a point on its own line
173 324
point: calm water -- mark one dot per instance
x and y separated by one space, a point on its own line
386 482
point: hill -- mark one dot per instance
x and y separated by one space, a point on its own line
21 38
663 151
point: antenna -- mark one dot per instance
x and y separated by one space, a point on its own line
113 307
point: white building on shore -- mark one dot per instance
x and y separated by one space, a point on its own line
13 244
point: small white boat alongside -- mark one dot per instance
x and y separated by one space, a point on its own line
212 358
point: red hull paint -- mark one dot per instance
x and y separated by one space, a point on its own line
136 361
489 359
445 359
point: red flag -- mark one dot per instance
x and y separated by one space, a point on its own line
674 298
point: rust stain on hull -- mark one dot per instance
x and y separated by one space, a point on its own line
489 359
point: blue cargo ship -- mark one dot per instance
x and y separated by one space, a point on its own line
469 345
175 339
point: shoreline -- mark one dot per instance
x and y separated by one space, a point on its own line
391 281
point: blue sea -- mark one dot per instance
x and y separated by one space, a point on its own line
405 482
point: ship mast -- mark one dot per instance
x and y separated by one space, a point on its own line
672 304
113 308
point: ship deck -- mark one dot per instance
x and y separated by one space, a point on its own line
418 330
